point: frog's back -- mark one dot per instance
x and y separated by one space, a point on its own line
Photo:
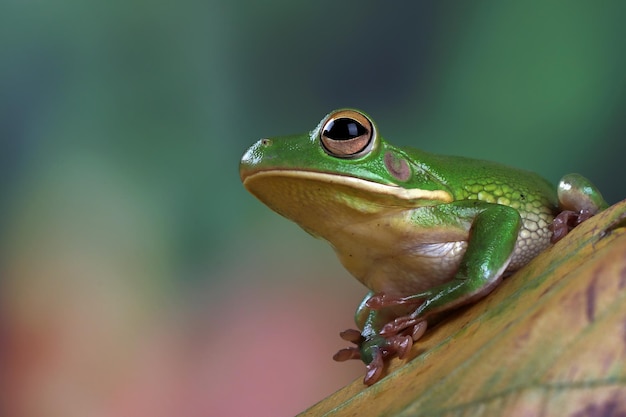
473 179
530 194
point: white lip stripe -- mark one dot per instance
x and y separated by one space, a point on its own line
369 186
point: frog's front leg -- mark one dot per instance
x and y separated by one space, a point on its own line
492 238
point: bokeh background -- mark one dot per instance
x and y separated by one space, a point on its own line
139 278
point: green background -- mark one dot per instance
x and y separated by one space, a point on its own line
127 238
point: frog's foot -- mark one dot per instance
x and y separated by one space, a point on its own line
373 351
382 300
373 370
566 220
400 324
396 344
415 326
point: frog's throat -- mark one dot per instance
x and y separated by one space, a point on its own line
358 183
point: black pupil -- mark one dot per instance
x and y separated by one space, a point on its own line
344 129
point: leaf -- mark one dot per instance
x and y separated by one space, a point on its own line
550 340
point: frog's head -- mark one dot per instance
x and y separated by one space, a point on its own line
341 170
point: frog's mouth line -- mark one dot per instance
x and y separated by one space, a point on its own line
408 194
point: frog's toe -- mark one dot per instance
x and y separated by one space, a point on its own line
400 345
560 225
400 324
346 354
566 220
374 369
419 329
351 335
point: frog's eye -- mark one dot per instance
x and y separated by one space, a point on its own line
347 134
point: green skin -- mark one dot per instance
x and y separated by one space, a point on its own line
425 233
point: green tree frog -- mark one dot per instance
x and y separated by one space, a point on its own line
424 233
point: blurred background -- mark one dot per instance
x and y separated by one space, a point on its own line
139 278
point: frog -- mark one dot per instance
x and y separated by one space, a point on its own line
425 233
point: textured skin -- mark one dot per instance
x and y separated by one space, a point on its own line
536 211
